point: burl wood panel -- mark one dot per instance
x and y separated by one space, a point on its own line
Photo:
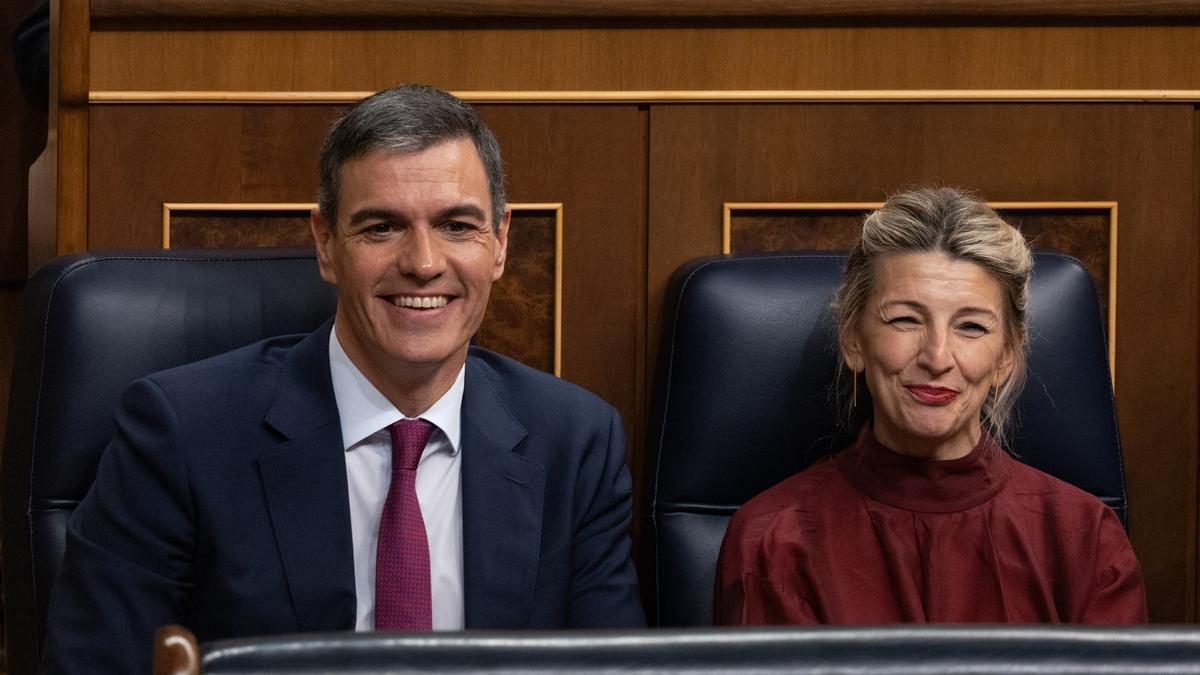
520 314
1077 232
592 159
1084 234
1141 156
239 229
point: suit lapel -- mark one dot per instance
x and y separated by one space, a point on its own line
304 483
502 509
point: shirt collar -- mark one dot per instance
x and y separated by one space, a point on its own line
364 411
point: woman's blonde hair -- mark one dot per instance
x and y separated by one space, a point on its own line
960 225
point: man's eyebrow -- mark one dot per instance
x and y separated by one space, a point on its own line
374 214
462 211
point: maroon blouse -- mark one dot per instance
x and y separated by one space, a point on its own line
873 537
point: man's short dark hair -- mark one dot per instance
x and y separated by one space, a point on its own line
408 118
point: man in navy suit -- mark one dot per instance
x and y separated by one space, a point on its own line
243 494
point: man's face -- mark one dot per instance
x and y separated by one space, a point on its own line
413 255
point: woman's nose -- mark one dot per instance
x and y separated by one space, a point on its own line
936 355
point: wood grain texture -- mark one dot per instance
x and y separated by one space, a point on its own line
1138 155
777 56
1191 586
520 314
70 58
380 9
222 154
239 229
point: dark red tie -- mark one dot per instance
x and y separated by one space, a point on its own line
402 599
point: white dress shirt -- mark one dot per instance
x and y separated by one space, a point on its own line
365 416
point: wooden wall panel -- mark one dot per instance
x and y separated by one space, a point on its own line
725 9
520 320
779 54
1140 156
200 228
215 154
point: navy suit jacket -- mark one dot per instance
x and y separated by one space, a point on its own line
221 504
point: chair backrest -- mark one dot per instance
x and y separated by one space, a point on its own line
930 650
743 399
91 324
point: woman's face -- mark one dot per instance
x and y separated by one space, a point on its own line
931 341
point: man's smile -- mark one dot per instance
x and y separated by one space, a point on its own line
420 301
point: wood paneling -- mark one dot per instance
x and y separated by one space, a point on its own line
1140 156
61 188
237 229
384 9
520 315
769 57
217 154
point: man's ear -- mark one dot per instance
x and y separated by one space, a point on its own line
324 241
502 244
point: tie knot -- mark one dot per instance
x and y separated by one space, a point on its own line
408 442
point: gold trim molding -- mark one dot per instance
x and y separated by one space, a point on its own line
171 208
728 209
669 96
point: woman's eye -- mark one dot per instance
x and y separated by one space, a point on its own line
902 321
972 328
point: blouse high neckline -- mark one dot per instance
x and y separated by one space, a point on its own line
925 485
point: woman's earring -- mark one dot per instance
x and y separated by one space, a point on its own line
854 390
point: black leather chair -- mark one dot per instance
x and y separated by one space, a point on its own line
91 324
743 400
927 650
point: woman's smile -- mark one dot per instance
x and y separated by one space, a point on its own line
932 395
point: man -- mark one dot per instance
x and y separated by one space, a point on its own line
270 489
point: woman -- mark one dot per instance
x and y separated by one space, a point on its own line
925 518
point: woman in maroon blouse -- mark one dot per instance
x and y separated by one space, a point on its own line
925 518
